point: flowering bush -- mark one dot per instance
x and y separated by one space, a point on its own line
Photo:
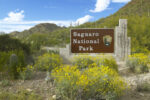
26 72
138 63
83 62
89 61
48 61
149 60
91 83
105 61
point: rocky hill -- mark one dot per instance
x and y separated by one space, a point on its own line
43 28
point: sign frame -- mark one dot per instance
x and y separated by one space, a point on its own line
95 29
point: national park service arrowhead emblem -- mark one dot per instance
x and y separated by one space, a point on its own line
107 40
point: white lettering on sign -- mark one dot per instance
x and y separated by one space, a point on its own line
82 35
85 41
82 48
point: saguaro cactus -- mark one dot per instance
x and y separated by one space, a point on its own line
13 62
13 59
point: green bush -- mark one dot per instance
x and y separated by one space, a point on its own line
27 72
88 61
5 83
48 61
143 87
138 63
110 62
8 44
83 62
10 61
92 83
4 60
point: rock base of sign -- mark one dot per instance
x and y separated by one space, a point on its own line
122 41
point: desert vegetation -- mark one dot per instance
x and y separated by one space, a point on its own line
28 73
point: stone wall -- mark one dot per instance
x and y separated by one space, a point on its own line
50 49
65 53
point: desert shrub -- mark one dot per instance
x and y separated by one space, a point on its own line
138 63
5 83
110 62
88 61
91 83
53 51
48 61
145 86
83 62
4 60
21 95
149 60
26 73
10 44
10 61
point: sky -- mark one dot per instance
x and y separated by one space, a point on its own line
19 15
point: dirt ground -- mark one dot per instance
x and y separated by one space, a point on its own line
37 85
134 95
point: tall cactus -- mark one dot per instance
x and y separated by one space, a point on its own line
13 62
13 59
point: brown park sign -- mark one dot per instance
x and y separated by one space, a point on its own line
92 40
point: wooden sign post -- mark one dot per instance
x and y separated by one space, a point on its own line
92 40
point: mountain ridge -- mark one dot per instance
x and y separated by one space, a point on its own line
42 28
